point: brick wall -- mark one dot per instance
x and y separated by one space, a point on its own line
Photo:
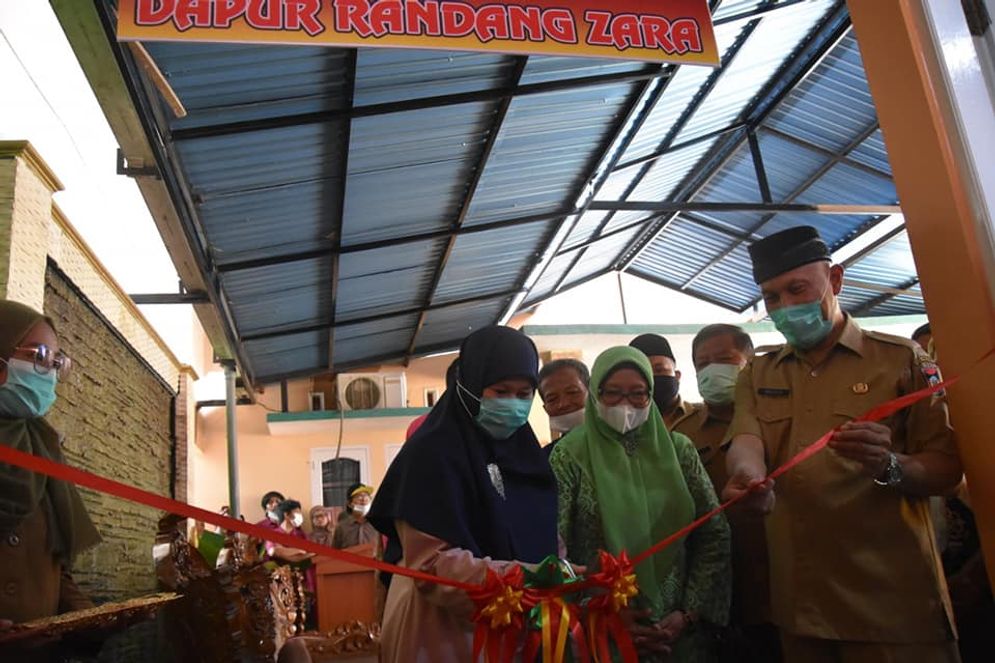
115 413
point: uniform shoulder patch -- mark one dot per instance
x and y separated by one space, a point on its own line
930 371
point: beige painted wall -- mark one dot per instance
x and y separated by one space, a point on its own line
283 461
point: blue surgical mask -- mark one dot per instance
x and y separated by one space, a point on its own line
500 417
27 394
717 383
803 325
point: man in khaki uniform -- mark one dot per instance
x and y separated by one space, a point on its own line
855 573
719 353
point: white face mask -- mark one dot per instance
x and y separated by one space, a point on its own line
717 383
362 509
297 519
564 423
623 417
272 516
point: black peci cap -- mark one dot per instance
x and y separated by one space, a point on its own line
652 345
786 250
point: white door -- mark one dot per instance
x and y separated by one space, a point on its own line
320 455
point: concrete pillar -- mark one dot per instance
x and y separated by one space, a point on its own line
915 71
26 188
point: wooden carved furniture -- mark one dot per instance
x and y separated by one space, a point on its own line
245 611
238 612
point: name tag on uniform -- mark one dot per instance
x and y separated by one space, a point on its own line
771 391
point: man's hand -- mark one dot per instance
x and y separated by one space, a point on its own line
761 492
867 442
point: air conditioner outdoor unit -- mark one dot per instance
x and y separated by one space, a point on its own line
371 391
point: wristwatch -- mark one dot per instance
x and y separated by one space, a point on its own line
892 475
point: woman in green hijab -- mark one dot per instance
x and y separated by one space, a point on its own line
626 483
43 524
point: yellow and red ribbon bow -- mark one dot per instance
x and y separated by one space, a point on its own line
604 621
502 603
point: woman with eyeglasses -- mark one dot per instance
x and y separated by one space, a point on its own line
625 483
43 524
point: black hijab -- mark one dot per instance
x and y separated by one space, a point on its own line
440 484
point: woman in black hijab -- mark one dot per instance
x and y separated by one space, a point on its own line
471 489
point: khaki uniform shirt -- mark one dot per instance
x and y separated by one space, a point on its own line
750 589
682 409
849 559
33 583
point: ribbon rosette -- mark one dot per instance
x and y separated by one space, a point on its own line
604 623
502 603
553 620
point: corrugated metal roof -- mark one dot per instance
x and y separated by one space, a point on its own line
544 151
761 56
282 188
489 262
408 171
221 83
388 75
384 280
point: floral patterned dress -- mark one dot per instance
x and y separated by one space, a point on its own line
701 577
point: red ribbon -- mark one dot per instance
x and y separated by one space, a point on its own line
132 494
616 578
497 641
876 413
502 603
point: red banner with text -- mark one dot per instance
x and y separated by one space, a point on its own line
653 30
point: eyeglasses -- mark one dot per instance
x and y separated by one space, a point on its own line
637 398
45 360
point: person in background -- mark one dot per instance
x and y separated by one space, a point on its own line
666 377
353 529
719 353
321 530
291 522
923 335
270 501
855 570
43 523
470 491
563 385
625 483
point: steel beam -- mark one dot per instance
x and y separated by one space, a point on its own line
339 324
171 298
339 220
165 157
700 96
266 261
492 138
792 73
772 208
849 161
799 190
758 166
677 147
494 94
